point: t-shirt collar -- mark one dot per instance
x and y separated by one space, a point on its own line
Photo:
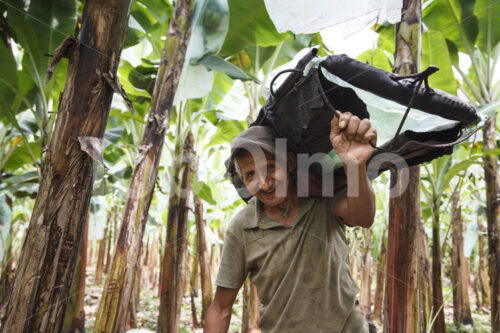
263 222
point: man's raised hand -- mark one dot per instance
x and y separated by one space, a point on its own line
352 138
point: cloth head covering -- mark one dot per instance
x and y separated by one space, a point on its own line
255 136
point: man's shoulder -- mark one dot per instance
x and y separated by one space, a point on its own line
330 200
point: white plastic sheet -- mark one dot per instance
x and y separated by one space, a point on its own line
385 115
310 16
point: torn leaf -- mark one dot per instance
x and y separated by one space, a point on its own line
65 50
93 147
114 83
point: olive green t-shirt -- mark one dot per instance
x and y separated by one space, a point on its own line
302 273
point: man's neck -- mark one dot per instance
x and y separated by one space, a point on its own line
286 212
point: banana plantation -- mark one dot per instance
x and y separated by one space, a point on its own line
116 124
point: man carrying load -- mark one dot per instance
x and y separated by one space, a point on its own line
293 246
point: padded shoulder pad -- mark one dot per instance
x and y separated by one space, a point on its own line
385 85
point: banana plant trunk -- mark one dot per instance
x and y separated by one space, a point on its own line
354 255
401 313
437 284
492 180
365 293
133 305
379 289
152 261
101 252
424 278
482 267
111 240
113 309
75 314
251 304
459 276
193 291
41 287
172 284
203 258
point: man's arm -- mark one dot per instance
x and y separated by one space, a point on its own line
357 210
219 312
352 140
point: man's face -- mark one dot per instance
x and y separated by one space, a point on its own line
263 177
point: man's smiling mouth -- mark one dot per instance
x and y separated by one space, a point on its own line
268 192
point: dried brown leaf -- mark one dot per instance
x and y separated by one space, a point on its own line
65 50
93 147
114 83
